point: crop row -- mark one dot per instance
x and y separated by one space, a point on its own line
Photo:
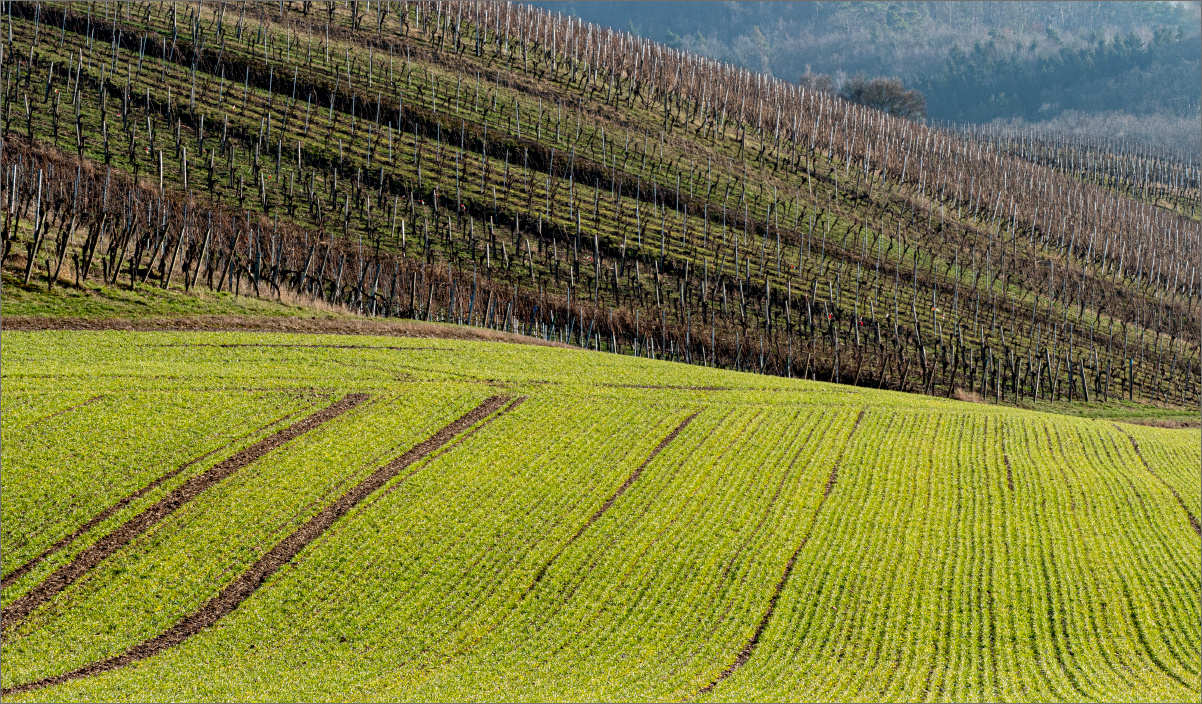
25 407
986 559
184 560
429 565
62 471
950 552
673 581
1174 458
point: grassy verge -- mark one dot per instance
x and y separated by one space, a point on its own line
1124 411
150 308
36 307
1144 412
97 301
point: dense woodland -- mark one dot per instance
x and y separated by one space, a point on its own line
974 61
496 165
1161 75
908 39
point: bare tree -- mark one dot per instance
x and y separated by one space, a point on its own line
885 94
818 82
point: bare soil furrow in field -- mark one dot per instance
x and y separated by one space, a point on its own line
1193 520
109 544
610 501
834 478
258 573
344 325
748 649
232 345
68 409
99 518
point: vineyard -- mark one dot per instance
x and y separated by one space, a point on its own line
235 516
496 166
1167 179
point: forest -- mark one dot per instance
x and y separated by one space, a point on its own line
975 62
1160 76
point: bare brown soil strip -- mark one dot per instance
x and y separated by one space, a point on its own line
745 654
287 324
254 577
462 438
1161 423
634 476
1193 520
327 347
830 482
68 409
106 546
103 515
759 526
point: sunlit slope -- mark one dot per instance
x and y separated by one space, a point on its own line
500 166
81 453
609 528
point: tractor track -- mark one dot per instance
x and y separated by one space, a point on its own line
111 543
634 476
96 520
249 581
748 649
1193 520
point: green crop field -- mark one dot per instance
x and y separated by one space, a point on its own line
251 516
228 475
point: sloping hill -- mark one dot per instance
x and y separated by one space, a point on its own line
211 516
498 166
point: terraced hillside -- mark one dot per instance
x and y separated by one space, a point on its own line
494 165
209 516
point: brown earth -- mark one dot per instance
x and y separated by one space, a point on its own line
109 544
254 577
1160 423
103 515
233 345
248 323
